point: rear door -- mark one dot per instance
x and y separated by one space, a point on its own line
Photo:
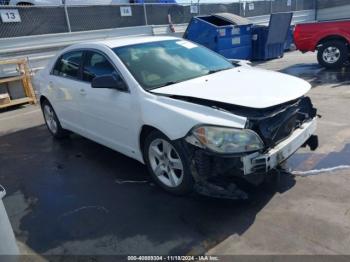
64 89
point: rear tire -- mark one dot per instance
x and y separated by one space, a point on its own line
333 54
51 120
168 164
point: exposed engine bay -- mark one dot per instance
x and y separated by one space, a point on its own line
272 124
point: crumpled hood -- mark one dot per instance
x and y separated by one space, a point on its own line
248 87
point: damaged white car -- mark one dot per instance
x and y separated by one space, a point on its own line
193 117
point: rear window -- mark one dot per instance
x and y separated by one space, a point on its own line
68 65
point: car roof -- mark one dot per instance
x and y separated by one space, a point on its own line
124 41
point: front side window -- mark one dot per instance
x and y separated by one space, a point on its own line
96 64
68 65
162 63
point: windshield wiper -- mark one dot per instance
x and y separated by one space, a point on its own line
163 85
175 82
217 70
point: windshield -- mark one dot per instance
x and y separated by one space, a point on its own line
162 63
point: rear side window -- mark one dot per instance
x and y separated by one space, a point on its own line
96 64
68 65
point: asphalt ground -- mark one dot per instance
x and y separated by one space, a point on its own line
77 197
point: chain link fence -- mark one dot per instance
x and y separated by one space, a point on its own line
37 20
83 18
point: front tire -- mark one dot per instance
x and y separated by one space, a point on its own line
168 164
333 54
51 120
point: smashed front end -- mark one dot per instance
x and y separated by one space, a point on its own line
281 129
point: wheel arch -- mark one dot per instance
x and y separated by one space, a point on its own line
144 132
332 38
42 99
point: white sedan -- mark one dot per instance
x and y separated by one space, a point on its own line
190 115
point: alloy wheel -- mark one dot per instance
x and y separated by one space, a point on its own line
50 119
166 163
331 54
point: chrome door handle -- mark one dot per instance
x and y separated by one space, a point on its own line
82 92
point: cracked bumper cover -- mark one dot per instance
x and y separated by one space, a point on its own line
263 163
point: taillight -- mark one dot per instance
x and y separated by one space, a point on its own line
296 32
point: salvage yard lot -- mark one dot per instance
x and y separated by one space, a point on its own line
77 197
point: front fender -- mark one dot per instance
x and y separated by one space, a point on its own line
175 118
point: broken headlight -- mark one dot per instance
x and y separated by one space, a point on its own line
225 140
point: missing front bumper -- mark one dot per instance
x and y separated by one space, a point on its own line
257 163
216 175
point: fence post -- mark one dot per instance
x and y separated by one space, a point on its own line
145 13
240 7
198 8
316 9
67 16
244 6
271 6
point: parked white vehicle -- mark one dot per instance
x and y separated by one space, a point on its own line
68 2
184 111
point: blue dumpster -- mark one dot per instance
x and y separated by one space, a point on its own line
227 34
290 39
269 41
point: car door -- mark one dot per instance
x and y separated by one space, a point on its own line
108 113
64 89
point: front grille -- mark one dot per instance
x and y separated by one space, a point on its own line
278 126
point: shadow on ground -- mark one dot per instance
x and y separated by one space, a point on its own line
317 75
73 195
308 161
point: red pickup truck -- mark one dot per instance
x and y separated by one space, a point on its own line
330 39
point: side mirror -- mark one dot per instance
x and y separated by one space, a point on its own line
113 81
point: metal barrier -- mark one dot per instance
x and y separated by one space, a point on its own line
9 46
321 4
38 20
54 41
333 10
298 17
